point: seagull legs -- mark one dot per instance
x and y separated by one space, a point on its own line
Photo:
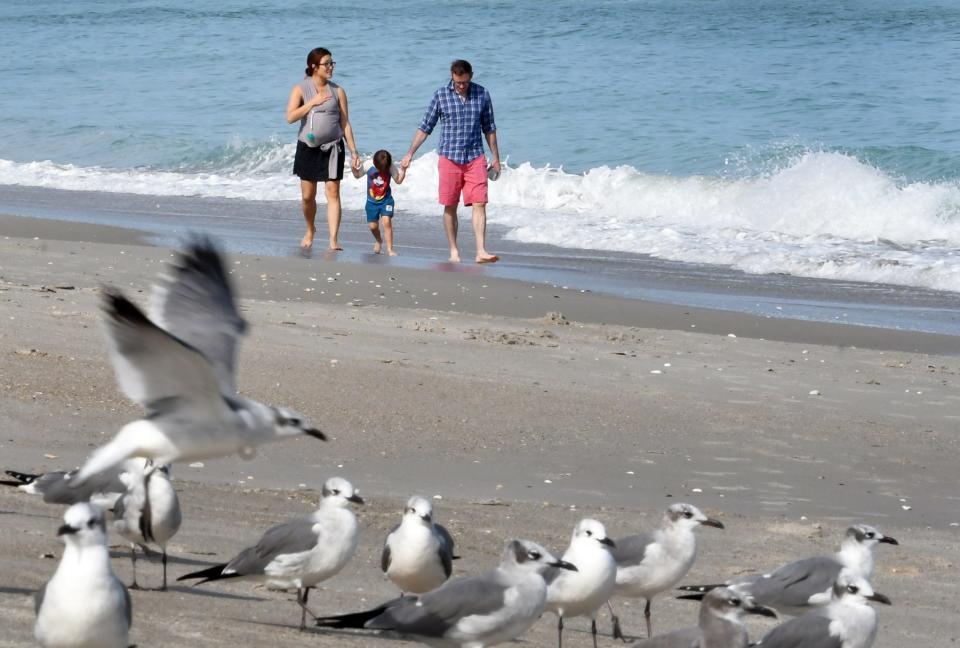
133 560
302 595
617 632
560 631
593 631
164 559
646 616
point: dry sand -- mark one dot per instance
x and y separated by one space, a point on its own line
522 423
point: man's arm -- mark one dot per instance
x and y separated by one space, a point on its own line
489 128
427 124
494 151
418 138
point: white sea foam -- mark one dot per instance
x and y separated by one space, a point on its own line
821 214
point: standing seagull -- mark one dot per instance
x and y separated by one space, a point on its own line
181 367
653 562
149 512
473 612
84 605
720 624
583 592
418 554
796 587
302 553
847 622
102 489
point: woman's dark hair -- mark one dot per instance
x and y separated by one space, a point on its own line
313 59
382 161
461 67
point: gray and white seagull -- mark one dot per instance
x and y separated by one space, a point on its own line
180 366
654 562
84 604
846 622
56 487
797 587
149 512
298 554
472 612
418 553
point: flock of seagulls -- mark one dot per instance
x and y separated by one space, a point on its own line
179 364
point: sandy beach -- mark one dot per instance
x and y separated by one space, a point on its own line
519 407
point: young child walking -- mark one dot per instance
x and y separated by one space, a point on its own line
380 203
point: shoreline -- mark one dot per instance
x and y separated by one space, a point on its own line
273 229
376 282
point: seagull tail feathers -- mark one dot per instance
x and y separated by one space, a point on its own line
19 479
354 620
209 574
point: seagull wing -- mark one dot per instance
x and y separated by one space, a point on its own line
435 613
154 368
286 539
631 551
195 304
445 551
792 585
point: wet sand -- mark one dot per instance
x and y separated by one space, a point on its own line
523 407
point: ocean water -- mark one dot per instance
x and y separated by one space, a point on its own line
815 139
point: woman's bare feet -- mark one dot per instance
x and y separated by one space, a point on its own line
487 258
307 240
391 252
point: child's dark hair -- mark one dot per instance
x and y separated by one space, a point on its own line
382 161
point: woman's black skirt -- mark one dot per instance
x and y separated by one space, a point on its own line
314 165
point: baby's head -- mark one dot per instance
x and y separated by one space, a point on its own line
382 161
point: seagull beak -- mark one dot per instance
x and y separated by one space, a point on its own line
66 529
608 542
713 522
563 564
315 433
356 499
762 611
880 598
889 540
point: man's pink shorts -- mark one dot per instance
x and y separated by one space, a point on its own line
470 178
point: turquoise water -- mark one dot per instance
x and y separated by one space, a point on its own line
803 138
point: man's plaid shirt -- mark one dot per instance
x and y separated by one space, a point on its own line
462 121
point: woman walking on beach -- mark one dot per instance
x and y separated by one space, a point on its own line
321 106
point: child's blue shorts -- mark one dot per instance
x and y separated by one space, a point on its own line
376 210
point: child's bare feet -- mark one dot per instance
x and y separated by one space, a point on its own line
376 247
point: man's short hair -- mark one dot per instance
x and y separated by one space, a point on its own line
461 67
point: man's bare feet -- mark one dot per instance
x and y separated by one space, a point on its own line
307 240
376 247
391 252
487 258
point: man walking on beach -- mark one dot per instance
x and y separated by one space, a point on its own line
465 110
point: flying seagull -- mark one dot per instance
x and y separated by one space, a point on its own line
180 366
